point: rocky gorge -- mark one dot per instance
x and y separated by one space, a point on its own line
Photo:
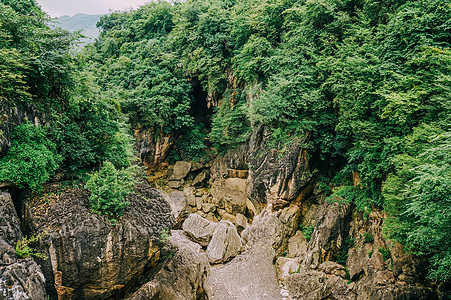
252 224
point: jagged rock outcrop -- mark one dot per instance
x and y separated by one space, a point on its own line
272 177
89 258
182 277
152 150
179 206
309 271
20 279
328 237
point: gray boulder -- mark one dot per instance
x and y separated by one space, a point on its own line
179 206
199 229
249 276
225 243
181 169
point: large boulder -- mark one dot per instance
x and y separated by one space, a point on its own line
179 206
89 257
199 229
273 229
20 279
225 243
314 285
181 169
182 276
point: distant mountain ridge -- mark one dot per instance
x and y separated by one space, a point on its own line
86 23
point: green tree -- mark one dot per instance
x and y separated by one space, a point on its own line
109 188
31 160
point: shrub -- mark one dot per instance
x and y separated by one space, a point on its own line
307 231
192 145
386 254
23 249
368 237
230 126
32 158
109 188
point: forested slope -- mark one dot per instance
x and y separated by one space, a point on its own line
365 84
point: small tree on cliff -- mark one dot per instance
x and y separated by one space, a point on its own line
109 188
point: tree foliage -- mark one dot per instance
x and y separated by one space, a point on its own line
109 188
32 158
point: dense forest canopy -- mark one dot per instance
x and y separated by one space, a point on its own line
365 83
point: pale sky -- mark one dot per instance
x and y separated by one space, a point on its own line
58 8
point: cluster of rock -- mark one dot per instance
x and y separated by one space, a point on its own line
309 272
235 234
194 189
89 257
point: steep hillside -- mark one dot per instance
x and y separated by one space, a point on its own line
259 149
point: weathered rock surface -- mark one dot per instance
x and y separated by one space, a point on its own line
273 229
225 243
230 194
251 275
297 245
12 116
271 176
179 206
88 257
315 285
199 229
181 169
182 276
20 279
331 230
201 179
150 149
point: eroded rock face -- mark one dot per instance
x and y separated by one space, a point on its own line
179 206
273 177
88 256
152 150
250 275
314 285
182 276
20 279
331 230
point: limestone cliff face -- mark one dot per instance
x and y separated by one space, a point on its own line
90 258
152 148
20 279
